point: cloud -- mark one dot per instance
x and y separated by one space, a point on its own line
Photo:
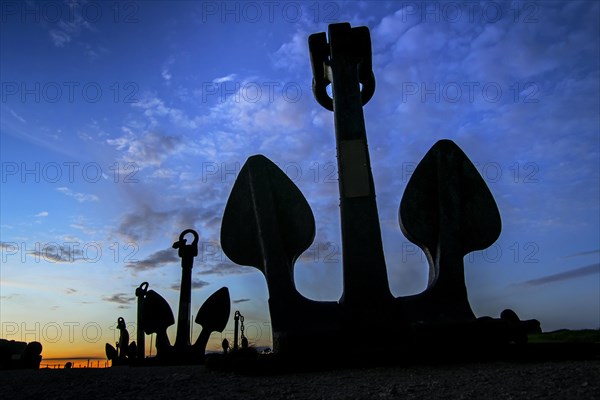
321 251
293 55
563 276
236 125
196 284
70 291
119 298
59 38
226 268
199 284
64 32
392 27
240 301
84 228
166 75
9 246
223 79
150 149
56 253
145 222
80 197
17 116
93 53
154 108
165 72
42 214
583 253
155 260
164 173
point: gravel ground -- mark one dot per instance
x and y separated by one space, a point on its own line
561 380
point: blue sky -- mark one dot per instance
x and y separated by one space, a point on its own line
122 125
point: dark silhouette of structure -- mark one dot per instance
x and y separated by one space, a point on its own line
124 352
20 355
225 346
238 330
187 254
155 317
123 344
242 357
447 210
140 293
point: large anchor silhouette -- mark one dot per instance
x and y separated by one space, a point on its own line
447 210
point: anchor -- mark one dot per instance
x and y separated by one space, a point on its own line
154 316
124 352
447 210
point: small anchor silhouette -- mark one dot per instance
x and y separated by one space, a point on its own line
154 315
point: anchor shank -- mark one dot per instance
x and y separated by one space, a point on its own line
182 338
141 340
140 293
364 276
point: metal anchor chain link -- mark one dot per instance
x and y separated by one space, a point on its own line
242 327
238 319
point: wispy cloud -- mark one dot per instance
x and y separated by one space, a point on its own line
65 31
146 222
143 223
42 214
84 228
583 253
164 173
70 291
80 197
146 150
59 38
226 268
154 108
119 298
94 53
17 116
196 284
223 79
563 276
166 75
56 253
293 54
155 260
166 70
9 246
240 301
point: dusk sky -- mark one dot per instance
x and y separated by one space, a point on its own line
124 123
